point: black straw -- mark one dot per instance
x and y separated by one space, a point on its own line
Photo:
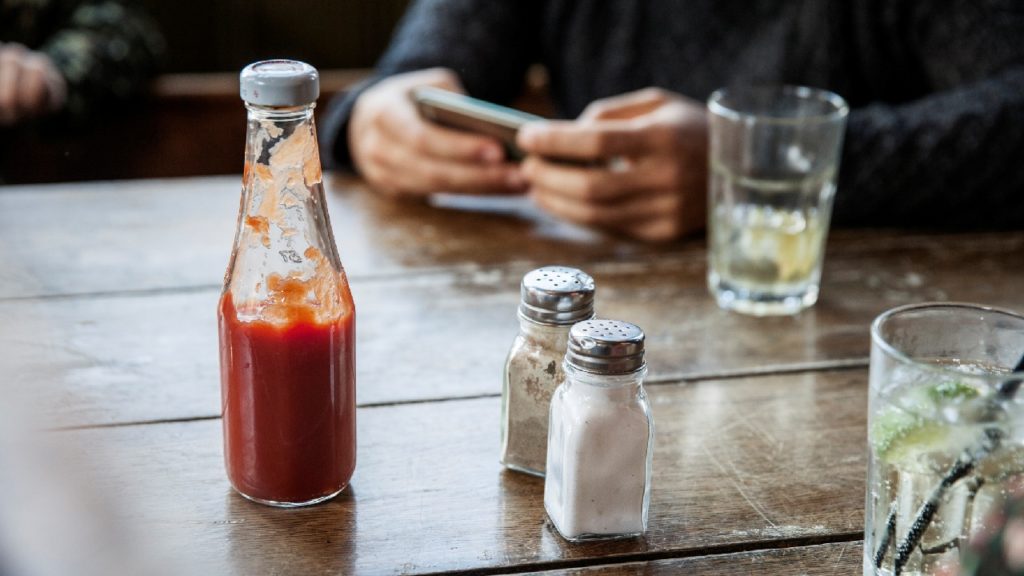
961 468
890 532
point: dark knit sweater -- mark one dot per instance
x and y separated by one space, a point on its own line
936 87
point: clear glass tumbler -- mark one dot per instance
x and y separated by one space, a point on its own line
945 432
774 156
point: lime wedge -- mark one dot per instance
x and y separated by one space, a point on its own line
912 444
901 436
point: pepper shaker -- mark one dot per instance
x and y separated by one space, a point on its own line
553 299
601 435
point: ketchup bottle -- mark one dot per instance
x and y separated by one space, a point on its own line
287 321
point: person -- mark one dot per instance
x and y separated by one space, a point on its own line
71 56
936 90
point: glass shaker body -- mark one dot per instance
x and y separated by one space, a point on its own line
532 372
286 316
600 447
553 298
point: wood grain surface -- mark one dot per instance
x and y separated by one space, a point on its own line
819 560
169 234
738 464
165 234
107 325
141 356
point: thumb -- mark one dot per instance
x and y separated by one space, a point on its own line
625 106
447 79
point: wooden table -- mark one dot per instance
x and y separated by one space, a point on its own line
107 313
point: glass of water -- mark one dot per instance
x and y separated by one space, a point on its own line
774 155
945 433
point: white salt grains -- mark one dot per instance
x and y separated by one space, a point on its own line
600 436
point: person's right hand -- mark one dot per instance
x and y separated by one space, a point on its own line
30 84
641 165
399 152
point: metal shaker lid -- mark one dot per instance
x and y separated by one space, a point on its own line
279 83
557 295
606 347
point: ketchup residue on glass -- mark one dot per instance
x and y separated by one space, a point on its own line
286 316
288 393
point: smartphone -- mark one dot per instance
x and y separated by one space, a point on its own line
473 115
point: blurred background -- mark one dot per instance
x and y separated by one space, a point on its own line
195 95
232 33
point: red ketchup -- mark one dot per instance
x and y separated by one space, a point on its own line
288 393
287 321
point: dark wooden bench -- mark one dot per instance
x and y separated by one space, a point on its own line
190 124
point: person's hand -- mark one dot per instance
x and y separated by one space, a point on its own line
30 84
400 153
640 165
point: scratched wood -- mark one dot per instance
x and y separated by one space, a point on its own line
136 357
158 234
739 464
166 234
840 558
746 463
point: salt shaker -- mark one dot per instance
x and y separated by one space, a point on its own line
601 435
553 299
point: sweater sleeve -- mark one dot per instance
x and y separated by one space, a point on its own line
488 44
950 158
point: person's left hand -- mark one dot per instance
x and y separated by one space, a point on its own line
30 84
640 165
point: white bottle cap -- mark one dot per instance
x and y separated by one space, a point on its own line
279 83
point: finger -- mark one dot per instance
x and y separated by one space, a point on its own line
592 141
443 78
410 171
32 97
403 121
437 77
619 215
406 125
10 70
627 105
600 184
658 229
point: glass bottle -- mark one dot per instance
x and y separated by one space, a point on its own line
286 316
553 299
601 435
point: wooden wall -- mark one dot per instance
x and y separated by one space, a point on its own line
224 35
193 122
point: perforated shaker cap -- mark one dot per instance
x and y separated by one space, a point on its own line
279 83
557 295
606 347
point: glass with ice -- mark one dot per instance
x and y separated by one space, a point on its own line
774 156
945 432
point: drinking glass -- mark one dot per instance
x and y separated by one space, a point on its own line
774 156
945 432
